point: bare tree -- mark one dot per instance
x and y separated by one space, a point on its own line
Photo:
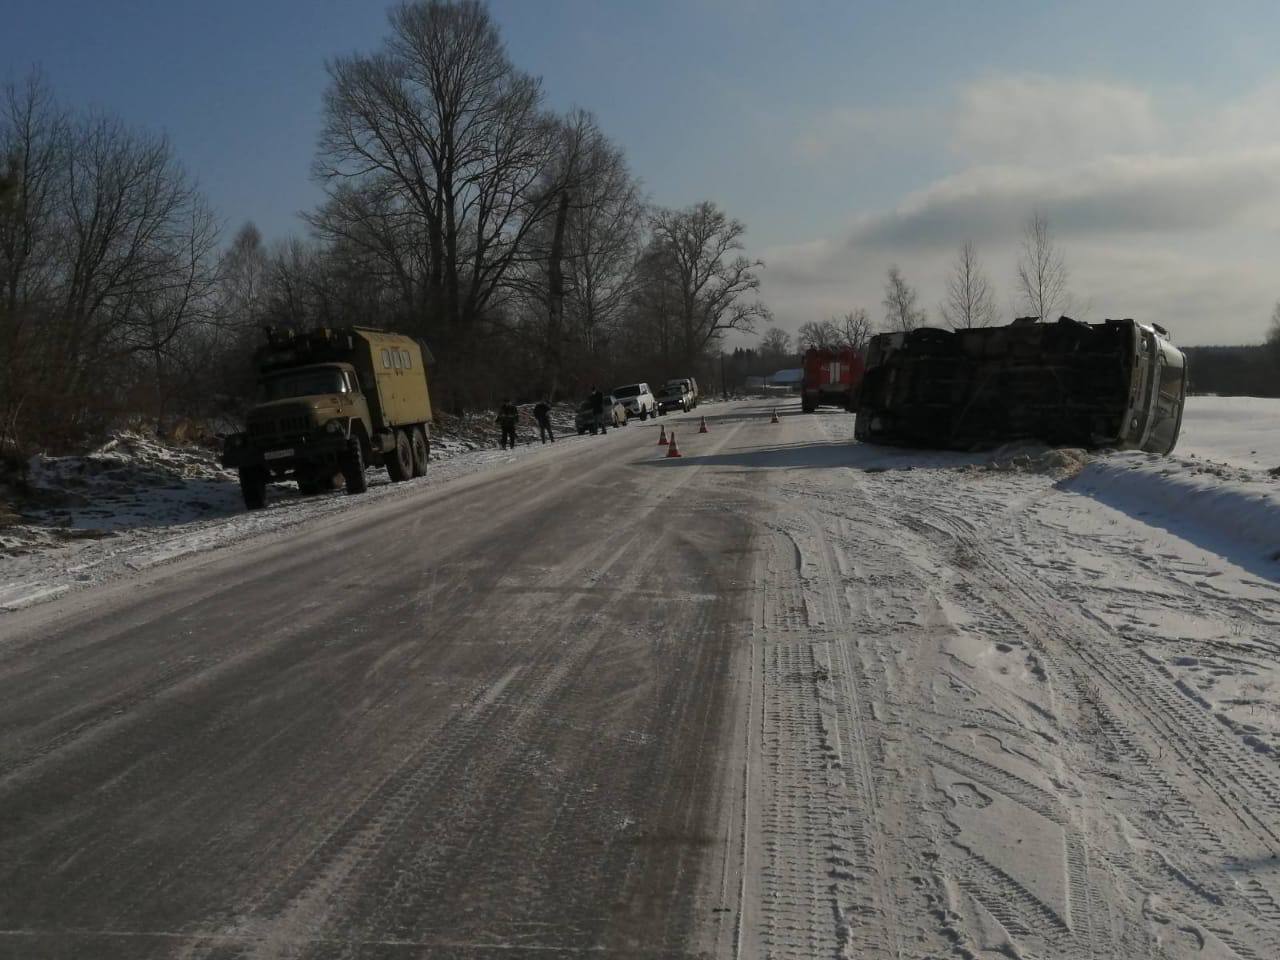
900 310
1042 272
33 146
582 262
970 299
603 235
855 328
106 262
714 287
775 343
819 335
448 141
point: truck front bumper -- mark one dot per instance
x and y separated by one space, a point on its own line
306 452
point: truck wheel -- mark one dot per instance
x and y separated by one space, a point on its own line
421 452
644 414
400 461
253 484
807 406
308 486
353 468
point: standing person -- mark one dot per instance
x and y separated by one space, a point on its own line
507 416
542 413
597 408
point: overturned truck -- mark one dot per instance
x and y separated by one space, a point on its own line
1114 384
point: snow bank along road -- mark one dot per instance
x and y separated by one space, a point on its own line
787 696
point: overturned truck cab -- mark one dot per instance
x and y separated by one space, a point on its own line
1116 384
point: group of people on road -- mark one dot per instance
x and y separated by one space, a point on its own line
509 415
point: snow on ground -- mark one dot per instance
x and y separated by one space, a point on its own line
1221 487
1240 431
136 502
1020 705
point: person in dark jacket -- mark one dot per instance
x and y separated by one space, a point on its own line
542 413
507 416
597 408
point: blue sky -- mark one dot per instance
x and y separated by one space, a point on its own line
847 136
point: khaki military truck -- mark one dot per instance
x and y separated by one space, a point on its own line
332 402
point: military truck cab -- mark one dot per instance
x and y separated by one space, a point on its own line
331 403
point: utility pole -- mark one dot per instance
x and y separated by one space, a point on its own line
724 384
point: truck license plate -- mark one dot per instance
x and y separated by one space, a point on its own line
277 454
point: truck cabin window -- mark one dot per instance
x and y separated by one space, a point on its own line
309 383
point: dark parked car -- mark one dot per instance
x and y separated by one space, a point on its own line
615 414
674 396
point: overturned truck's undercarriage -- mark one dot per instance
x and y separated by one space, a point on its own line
1113 384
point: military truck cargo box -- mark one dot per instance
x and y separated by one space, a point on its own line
331 402
1114 384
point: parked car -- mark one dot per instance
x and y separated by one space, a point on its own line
615 414
691 387
674 396
638 400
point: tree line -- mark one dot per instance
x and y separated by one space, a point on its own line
1042 290
969 301
457 207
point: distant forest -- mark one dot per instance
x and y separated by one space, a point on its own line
1250 371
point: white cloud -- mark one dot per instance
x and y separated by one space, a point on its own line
1166 210
1028 119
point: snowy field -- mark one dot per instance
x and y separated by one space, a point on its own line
1021 708
1240 431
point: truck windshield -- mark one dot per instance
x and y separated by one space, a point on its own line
631 391
305 383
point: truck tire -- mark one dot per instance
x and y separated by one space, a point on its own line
421 447
400 460
353 468
808 406
253 485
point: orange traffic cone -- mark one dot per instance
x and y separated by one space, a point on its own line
703 427
774 418
673 450
662 436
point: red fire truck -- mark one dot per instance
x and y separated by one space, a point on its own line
831 378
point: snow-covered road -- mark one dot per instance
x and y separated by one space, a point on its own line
786 696
993 715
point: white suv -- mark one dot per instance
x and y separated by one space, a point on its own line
638 400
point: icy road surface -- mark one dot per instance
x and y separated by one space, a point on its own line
787 696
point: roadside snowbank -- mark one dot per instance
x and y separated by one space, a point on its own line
1231 511
136 502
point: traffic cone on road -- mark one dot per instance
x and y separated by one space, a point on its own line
774 418
662 436
703 426
672 449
